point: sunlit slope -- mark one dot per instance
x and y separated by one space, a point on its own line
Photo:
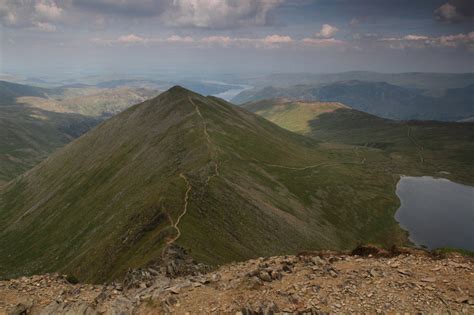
181 168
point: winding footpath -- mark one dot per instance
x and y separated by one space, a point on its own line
419 148
362 161
188 184
209 142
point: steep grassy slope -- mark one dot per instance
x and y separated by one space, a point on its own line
220 181
377 98
28 135
412 147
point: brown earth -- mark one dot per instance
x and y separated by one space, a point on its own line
374 281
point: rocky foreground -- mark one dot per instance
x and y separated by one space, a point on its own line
367 281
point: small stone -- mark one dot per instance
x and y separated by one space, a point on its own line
317 261
265 276
404 272
216 277
174 290
428 280
373 273
462 299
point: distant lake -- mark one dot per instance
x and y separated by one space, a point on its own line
233 91
436 212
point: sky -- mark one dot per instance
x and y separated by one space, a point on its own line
80 37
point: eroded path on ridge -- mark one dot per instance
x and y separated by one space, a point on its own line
209 142
418 146
362 161
189 187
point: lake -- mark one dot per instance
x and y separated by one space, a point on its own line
436 212
232 92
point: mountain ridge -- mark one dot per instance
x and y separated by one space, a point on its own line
115 198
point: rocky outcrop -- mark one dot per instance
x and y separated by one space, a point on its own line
374 280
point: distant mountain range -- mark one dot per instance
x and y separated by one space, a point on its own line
378 98
427 81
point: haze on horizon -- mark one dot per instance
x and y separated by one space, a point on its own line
79 37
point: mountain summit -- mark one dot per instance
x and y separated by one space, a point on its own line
193 171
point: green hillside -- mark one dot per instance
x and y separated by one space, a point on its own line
29 135
197 171
409 148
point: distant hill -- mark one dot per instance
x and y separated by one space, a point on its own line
429 147
197 172
10 91
420 80
378 98
29 135
37 121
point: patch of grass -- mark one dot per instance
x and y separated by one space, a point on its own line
447 250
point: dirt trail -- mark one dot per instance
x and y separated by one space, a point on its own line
209 142
189 186
419 147
362 161
185 209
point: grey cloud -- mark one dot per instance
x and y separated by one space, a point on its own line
224 14
455 11
220 14
129 8
31 14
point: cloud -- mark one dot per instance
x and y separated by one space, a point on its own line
323 38
37 15
220 14
48 10
131 38
269 41
416 37
327 31
420 41
277 39
220 40
407 37
213 14
180 39
44 27
455 11
128 8
322 42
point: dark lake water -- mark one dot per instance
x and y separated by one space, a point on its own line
436 212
